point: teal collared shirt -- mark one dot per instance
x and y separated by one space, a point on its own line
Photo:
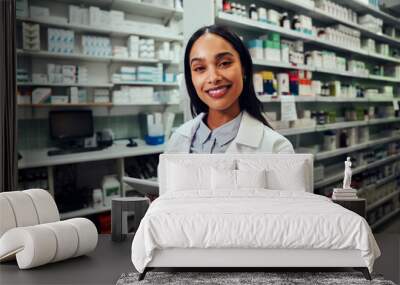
217 140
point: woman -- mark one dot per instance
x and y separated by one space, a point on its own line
227 114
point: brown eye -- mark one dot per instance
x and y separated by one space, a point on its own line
198 69
225 63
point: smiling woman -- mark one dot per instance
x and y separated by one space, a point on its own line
227 114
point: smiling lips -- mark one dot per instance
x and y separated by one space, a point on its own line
219 91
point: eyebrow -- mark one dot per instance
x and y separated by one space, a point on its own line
218 56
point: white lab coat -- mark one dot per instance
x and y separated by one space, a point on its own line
252 137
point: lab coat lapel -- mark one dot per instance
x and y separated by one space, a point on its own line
250 133
188 131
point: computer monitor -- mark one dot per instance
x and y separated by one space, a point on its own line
69 126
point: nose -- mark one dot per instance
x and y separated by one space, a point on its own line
213 76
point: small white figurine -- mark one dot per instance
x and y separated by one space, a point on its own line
347 174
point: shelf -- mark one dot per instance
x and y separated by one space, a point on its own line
327 154
247 24
383 99
383 57
277 99
384 180
278 64
340 125
46 54
378 183
39 157
145 9
295 131
84 212
49 105
364 8
121 31
146 104
323 16
382 200
99 85
147 83
333 178
384 78
385 219
340 73
383 121
326 17
339 99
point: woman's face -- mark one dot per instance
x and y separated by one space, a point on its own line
216 72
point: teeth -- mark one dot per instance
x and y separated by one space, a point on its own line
218 91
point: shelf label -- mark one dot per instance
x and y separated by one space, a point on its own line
288 108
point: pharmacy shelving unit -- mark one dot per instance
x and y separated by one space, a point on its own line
250 25
117 152
323 16
144 13
131 7
250 29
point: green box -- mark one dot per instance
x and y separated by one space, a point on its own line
275 37
276 45
269 44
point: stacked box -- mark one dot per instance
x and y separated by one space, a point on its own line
368 45
96 46
73 95
101 96
60 41
146 48
40 95
340 63
22 75
39 78
120 51
69 74
133 95
127 73
176 51
164 51
272 47
117 17
256 48
22 8
150 73
133 46
328 60
30 36
39 12
82 74
78 15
